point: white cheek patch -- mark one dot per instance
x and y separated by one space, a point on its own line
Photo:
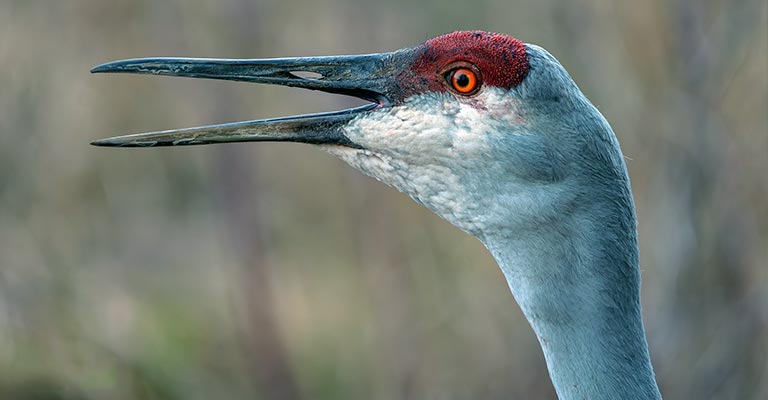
436 124
435 186
404 130
424 147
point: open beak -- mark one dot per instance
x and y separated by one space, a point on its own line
368 77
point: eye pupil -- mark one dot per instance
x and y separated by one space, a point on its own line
463 81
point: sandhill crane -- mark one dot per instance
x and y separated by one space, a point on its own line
493 135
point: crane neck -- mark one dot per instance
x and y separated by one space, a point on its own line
578 283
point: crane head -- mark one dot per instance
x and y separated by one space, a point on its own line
474 125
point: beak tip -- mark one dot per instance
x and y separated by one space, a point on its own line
97 69
135 141
102 68
113 66
111 142
100 143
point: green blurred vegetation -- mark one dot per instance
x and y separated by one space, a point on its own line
272 271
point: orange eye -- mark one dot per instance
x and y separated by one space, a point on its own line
463 80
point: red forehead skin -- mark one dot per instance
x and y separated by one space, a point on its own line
501 59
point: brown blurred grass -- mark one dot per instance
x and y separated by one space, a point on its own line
274 271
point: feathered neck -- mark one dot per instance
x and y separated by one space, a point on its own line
578 283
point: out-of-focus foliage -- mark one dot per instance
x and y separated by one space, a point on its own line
274 271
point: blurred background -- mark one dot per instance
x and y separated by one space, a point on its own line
274 271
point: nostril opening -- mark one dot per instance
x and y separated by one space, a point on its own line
307 75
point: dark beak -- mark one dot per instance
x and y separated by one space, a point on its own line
368 77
